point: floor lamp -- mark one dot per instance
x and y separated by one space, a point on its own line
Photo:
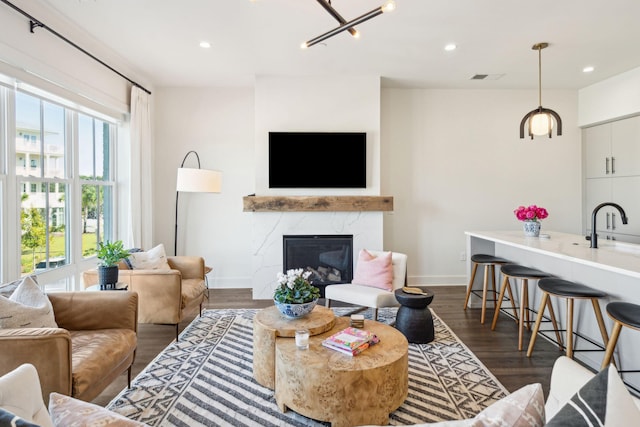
194 181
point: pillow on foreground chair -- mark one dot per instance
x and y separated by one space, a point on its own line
604 401
21 404
377 275
27 307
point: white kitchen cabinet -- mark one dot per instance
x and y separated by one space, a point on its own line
612 149
597 150
612 174
623 191
625 147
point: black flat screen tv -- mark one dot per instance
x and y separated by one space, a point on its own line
317 160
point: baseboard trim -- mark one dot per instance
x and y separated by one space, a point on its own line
437 280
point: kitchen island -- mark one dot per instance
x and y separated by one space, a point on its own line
614 268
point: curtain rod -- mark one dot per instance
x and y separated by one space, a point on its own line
35 23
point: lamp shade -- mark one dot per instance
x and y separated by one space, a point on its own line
540 124
199 180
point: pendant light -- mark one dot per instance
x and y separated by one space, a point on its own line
541 120
388 6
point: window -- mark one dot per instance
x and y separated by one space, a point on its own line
43 234
45 134
94 138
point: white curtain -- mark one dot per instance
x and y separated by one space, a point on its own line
141 221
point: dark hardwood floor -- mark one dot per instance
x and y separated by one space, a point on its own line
498 349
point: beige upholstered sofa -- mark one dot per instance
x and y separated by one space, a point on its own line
94 343
165 296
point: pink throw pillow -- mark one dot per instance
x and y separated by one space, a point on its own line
375 271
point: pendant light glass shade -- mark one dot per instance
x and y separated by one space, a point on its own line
541 120
540 124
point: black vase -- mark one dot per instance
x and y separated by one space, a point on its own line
108 277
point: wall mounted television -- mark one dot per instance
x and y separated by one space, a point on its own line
317 160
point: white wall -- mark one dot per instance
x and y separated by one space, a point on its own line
331 104
339 103
453 161
218 124
45 60
610 99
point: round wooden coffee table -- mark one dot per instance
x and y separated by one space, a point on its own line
269 325
327 385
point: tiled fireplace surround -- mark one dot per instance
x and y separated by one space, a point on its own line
269 227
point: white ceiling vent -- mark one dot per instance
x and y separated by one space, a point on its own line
486 76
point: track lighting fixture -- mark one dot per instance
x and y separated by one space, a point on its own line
388 6
541 119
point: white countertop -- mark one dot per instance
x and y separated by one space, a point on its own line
619 257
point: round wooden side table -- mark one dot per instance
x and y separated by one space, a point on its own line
414 318
269 325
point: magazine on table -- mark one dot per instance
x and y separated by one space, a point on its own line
351 341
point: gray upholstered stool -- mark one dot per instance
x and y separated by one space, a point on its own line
623 314
489 263
571 291
525 274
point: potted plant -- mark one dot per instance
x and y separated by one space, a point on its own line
531 215
295 296
110 254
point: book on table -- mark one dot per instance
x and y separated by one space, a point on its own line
351 341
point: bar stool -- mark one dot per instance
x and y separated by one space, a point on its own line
623 314
489 263
525 274
560 288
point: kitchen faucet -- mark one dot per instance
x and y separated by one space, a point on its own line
594 236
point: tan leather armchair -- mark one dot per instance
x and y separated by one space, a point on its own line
165 296
94 343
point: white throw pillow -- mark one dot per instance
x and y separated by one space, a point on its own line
603 401
27 307
153 259
20 394
522 408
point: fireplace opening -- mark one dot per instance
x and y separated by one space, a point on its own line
329 258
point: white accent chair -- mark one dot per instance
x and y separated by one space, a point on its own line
368 296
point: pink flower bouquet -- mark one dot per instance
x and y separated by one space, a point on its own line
530 213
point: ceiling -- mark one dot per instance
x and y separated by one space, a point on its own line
405 47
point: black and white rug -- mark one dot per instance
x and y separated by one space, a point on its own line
205 379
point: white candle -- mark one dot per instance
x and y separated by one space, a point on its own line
302 339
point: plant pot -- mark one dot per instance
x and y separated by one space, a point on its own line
295 311
108 276
531 228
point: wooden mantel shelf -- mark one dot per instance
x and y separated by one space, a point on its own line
317 203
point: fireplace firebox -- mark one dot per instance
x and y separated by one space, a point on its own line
329 258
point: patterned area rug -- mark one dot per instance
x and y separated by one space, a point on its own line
206 379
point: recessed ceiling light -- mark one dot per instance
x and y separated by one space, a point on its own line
205 45
450 47
588 69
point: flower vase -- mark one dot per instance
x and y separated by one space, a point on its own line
531 228
295 311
